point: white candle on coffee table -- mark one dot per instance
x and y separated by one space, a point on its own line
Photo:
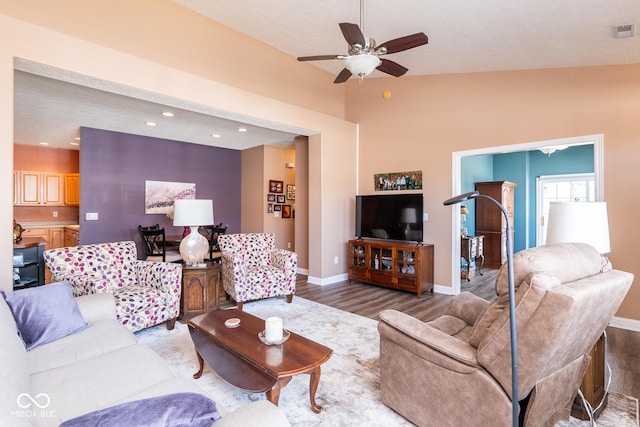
273 329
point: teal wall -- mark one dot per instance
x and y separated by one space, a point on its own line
474 169
522 168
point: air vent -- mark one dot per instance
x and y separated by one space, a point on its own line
625 30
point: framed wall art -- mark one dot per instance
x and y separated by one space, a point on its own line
291 192
276 186
286 211
159 195
271 198
280 198
277 208
394 181
269 207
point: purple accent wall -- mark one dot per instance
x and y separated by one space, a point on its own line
114 167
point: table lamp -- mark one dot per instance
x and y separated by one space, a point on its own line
193 213
515 407
584 222
408 216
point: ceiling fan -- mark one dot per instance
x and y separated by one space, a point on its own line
364 56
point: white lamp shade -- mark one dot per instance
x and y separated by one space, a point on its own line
363 64
585 222
188 212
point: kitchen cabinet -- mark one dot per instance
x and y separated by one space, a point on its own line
71 237
39 188
72 189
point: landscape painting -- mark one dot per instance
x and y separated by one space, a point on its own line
159 195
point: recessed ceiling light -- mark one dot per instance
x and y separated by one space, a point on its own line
44 143
73 143
215 135
242 129
150 124
167 113
77 138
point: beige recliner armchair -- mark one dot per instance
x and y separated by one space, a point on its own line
456 370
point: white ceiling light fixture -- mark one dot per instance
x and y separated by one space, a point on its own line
167 113
215 135
362 65
150 124
550 150
242 129
44 143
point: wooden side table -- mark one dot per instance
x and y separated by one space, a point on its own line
200 292
593 386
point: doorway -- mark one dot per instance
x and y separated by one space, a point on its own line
596 141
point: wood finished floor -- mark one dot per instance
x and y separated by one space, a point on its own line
623 346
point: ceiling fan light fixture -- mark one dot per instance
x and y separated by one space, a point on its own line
363 64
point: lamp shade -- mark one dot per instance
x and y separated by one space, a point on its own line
189 212
363 64
584 222
408 216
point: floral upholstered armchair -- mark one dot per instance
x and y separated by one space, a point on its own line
146 293
253 268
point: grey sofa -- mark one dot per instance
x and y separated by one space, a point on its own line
99 367
456 370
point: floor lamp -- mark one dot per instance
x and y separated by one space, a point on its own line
512 297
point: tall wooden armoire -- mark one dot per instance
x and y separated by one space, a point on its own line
490 221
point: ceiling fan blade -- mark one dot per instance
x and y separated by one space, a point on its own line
343 76
352 34
392 68
404 43
319 57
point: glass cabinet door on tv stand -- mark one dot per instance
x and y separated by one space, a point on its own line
406 266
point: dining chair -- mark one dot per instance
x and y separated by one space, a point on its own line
211 232
154 246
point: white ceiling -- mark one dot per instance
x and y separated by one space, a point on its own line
464 36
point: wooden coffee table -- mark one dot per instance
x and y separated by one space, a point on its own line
239 357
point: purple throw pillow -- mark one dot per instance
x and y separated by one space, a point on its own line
45 313
169 410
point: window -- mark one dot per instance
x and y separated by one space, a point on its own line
560 188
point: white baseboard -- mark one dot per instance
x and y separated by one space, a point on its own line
303 271
327 280
623 323
445 290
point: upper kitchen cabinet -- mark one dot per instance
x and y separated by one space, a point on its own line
40 188
72 189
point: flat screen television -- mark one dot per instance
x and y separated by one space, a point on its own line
392 217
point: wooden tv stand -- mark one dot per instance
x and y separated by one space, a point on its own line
398 265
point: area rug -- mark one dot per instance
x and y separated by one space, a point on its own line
349 389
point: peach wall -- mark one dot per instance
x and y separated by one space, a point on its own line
302 203
164 32
332 136
427 118
42 159
252 177
275 159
